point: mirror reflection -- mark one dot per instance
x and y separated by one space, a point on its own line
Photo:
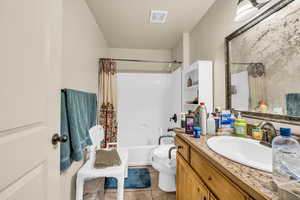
264 65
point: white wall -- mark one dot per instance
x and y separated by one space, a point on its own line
177 51
83 45
143 107
207 42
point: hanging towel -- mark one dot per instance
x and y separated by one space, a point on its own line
78 115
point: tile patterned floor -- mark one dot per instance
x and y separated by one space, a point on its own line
151 193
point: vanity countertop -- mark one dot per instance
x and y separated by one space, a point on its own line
255 182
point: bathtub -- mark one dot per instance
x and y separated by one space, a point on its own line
140 155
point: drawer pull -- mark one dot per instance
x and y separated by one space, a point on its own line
204 198
209 178
180 147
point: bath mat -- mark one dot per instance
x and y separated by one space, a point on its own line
138 178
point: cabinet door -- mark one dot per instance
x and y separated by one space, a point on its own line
212 197
181 179
189 186
198 190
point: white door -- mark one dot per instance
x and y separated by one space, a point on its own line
175 98
30 51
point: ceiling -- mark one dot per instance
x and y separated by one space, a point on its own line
125 23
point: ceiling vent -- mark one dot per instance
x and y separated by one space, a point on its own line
158 16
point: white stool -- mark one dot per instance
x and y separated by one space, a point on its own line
88 172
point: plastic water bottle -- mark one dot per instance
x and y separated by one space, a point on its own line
286 158
203 118
211 125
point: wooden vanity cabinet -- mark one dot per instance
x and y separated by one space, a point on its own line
212 197
198 179
189 186
183 148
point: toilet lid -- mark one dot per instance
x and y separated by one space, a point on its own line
163 151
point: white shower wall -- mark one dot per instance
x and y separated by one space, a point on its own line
143 108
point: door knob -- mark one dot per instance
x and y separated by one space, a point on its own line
57 138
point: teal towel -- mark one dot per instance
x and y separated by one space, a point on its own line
78 115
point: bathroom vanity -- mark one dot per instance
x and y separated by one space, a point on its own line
203 174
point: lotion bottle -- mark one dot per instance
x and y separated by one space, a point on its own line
211 125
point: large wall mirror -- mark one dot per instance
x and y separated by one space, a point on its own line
263 65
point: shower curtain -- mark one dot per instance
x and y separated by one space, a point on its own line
256 72
108 101
257 91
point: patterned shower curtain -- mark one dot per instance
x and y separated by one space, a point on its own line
256 72
108 100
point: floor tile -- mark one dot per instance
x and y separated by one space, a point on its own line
160 195
154 181
140 195
111 190
110 196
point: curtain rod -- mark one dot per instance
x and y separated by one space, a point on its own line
146 61
234 63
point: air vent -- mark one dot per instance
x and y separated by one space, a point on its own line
158 16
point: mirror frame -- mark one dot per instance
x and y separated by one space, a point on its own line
293 120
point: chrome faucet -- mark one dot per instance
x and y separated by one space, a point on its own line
269 133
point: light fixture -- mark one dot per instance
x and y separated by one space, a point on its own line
158 16
248 8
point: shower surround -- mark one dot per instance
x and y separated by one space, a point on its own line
143 113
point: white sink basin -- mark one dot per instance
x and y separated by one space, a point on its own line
245 151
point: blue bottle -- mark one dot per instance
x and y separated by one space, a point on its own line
197 132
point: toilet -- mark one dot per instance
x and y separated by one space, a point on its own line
165 166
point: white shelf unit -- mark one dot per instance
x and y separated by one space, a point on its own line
201 73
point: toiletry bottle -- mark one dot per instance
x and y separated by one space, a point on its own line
190 122
197 132
232 118
239 115
286 158
262 107
211 125
203 118
183 119
225 116
257 133
217 118
225 128
240 127
189 82
197 117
